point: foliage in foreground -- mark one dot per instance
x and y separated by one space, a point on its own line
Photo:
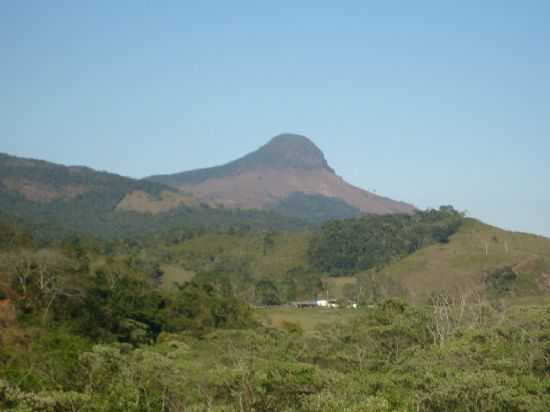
387 358
85 335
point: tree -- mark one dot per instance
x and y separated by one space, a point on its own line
267 293
122 305
40 279
268 242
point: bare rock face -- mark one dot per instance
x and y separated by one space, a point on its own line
288 164
287 151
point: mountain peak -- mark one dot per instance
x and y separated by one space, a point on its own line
284 151
288 150
289 139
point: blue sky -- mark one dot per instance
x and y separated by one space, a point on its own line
431 102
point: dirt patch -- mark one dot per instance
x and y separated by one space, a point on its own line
543 281
7 313
526 265
141 202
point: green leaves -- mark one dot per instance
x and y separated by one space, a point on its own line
197 308
382 360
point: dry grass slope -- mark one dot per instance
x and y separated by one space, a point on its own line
142 202
460 265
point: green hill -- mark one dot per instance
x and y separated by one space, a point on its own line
244 261
473 256
413 260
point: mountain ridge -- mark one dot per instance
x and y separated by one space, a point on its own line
286 150
58 200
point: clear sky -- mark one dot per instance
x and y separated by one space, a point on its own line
431 102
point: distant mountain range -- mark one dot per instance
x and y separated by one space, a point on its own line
283 185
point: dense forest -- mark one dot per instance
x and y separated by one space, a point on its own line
350 246
315 209
95 214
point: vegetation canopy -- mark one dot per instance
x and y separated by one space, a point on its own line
194 320
350 246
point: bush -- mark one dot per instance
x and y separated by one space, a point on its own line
502 279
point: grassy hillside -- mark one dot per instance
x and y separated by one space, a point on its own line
473 253
271 258
265 267
477 260
244 259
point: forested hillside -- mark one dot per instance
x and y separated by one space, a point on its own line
270 267
350 246
315 209
58 200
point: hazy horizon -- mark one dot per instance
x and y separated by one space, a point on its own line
428 103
